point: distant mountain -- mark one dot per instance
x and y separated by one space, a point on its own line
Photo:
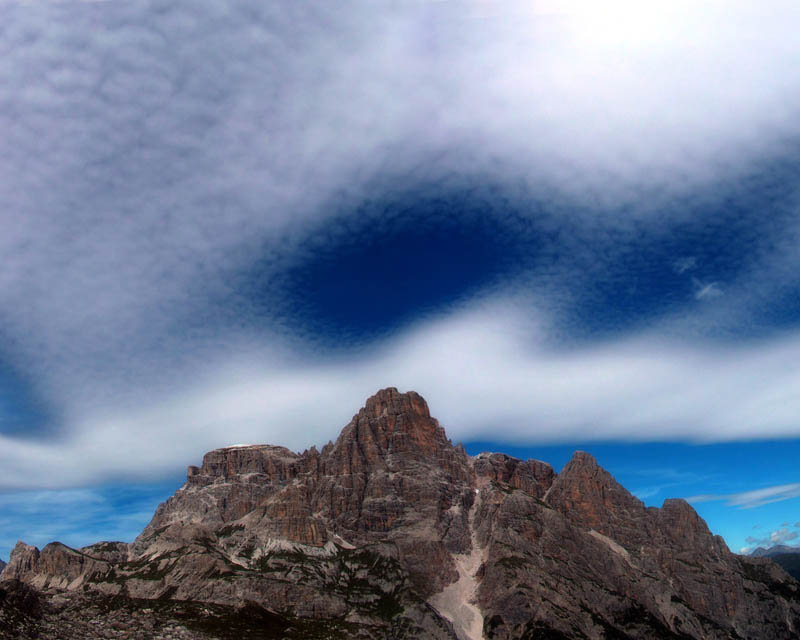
393 532
2 565
761 552
786 556
790 562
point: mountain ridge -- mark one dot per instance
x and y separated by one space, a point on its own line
768 552
787 556
392 530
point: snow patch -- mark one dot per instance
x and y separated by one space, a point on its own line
456 601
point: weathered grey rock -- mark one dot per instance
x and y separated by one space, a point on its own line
391 531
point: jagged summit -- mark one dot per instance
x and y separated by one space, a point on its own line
391 428
391 401
391 531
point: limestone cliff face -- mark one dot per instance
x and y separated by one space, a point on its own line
396 532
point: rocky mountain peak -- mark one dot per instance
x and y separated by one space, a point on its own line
392 532
391 401
24 560
391 428
585 491
582 460
582 482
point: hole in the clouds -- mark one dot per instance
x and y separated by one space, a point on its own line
395 260
778 309
21 414
382 264
691 270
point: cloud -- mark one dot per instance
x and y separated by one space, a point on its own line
777 537
760 497
484 377
682 265
755 498
784 535
703 290
141 165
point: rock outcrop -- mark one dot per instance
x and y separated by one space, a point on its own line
391 531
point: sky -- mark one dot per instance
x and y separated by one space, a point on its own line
568 225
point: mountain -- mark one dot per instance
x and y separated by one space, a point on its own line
778 549
393 532
786 556
790 562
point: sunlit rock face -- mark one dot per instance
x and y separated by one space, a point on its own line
392 531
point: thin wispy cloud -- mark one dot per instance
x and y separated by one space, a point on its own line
76 517
706 290
684 264
665 480
755 498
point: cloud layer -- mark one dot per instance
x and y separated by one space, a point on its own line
484 379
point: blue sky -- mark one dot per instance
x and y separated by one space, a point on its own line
567 227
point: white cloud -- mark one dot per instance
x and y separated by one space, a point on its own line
760 497
484 378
